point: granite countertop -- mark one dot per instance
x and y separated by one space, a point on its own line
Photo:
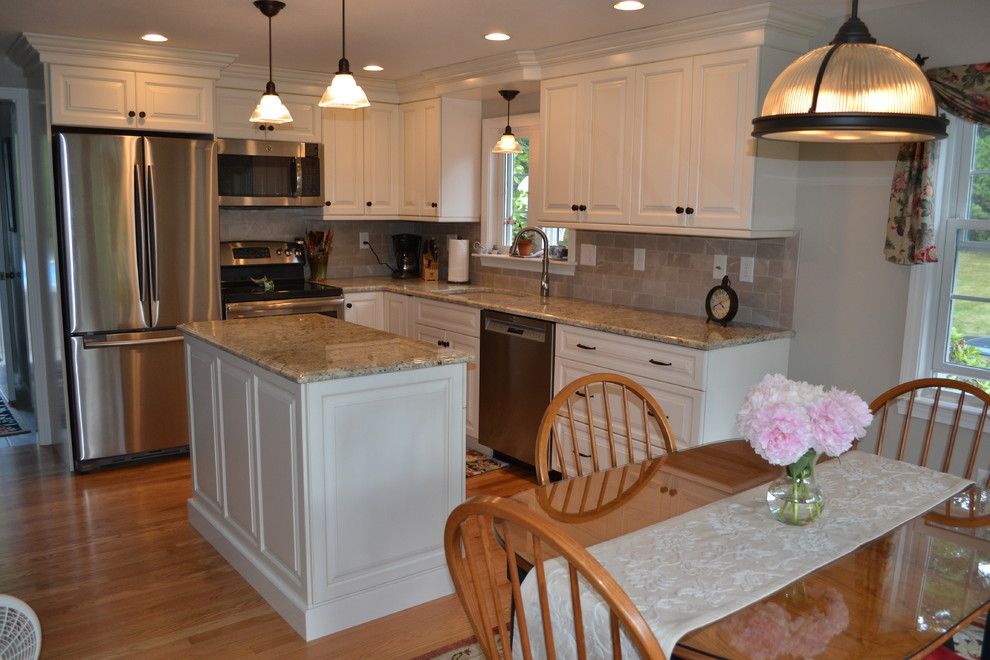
667 327
309 348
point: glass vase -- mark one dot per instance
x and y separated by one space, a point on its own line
795 498
318 265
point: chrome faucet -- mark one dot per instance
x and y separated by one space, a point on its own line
545 277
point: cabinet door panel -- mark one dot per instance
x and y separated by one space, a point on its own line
176 103
343 138
237 436
381 158
431 158
460 342
722 149
661 142
364 309
413 174
561 139
201 368
92 97
605 170
233 113
396 308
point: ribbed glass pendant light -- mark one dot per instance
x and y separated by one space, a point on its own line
852 90
270 110
343 91
507 144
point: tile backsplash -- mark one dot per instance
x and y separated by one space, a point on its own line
677 276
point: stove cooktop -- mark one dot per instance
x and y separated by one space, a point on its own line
283 290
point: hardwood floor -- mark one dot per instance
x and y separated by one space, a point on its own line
113 569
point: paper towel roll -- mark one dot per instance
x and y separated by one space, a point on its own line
458 255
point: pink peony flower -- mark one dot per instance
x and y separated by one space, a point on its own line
780 432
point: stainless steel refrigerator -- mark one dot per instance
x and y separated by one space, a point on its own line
138 231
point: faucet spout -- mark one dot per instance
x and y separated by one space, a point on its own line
545 275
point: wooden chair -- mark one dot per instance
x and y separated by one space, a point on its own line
598 422
942 391
476 562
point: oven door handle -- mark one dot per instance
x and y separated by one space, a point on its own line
254 308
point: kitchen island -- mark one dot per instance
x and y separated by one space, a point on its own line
326 457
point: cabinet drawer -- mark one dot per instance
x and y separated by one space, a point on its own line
637 357
681 405
446 316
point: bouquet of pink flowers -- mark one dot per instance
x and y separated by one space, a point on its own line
788 421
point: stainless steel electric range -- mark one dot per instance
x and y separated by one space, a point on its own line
267 278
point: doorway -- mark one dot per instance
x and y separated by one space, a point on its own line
17 408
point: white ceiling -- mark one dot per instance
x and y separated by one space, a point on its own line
404 36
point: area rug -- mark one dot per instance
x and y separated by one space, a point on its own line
477 463
466 649
8 425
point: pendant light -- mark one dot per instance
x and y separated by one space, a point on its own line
270 110
507 144
343 91
853 89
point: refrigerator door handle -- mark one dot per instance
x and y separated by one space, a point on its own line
152 244
141 251
128 341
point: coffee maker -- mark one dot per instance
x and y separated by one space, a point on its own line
407 255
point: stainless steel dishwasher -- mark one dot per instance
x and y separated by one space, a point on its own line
516 382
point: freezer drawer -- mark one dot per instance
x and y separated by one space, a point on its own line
129 393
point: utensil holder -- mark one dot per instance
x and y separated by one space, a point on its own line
318 265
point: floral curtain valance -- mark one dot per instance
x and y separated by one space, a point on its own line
965 92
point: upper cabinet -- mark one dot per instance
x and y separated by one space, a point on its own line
441 166
665 147
119 98
587 121
361 166
234 108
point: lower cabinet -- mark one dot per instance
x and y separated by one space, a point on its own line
397 308
364 308
459 342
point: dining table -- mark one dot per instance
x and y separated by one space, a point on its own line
899 595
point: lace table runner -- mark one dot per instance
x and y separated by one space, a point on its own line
701 566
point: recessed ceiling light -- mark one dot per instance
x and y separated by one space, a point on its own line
628 5
497 36
373 67
155 37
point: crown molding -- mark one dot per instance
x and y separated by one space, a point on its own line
77 51
296 81
499 69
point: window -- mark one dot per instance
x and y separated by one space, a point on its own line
509 181
962 331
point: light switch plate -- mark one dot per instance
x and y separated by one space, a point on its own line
639 258
589 254
746 266
363 240
721 266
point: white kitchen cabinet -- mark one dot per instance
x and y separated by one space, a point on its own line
459 342
361 161
118 98
680 160
397 308
586 136
441 166
699 391
364 308
234 108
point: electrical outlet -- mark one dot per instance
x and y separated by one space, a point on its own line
363 240
639 258
746 266
721 266
589 254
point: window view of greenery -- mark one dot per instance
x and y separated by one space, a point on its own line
517 198
969 341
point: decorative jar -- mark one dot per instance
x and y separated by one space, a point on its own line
795 498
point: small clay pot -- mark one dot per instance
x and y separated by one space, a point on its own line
525 247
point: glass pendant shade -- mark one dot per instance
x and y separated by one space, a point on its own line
854 90
271 110
344 92
507 144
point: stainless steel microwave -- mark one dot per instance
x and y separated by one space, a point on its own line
264 173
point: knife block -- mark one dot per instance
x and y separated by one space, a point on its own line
430 272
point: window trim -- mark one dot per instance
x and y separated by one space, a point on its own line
925 288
